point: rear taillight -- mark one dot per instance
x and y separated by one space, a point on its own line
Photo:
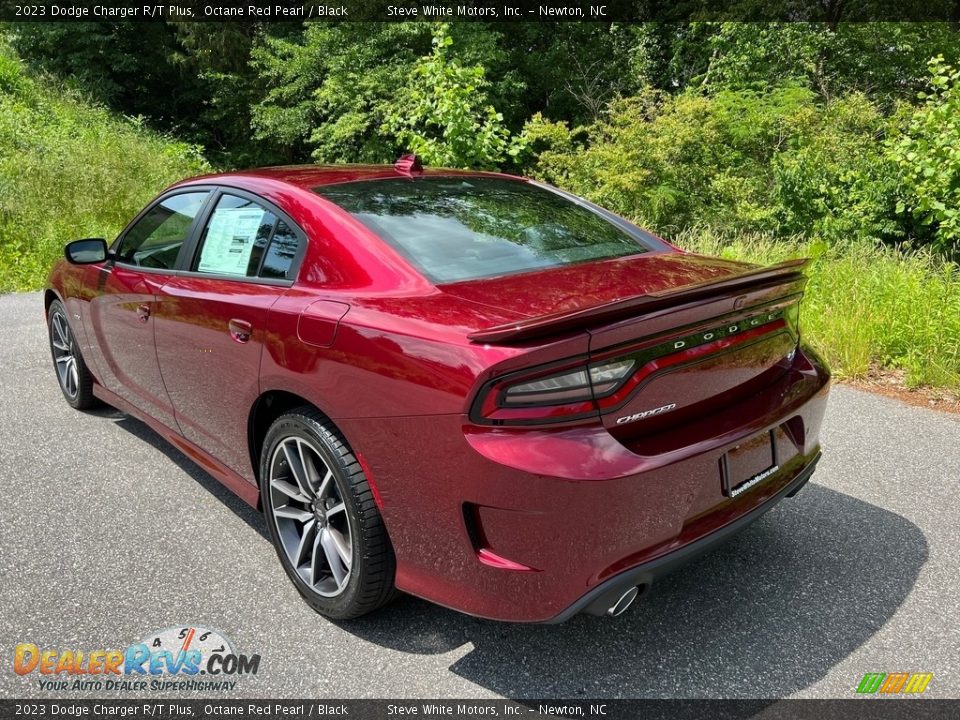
556 396
568 387
582 384
580 389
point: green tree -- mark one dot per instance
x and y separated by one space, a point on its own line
127 66
884 60
327 93
217 55
445 116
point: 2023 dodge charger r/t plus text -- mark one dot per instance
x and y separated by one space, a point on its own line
466 386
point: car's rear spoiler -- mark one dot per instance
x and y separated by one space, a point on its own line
791 270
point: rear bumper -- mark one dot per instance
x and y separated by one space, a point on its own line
603 596
575 514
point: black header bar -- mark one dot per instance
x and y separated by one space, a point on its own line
626 11
299 709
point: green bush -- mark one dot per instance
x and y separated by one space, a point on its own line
780 162
69 169
928 153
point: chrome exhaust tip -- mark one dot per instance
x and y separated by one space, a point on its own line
624 602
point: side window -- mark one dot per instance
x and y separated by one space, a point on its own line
281 253
155 240
244 239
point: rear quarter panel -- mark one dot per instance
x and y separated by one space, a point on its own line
380 363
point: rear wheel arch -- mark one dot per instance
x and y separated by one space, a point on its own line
269 406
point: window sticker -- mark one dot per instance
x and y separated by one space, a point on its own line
231 235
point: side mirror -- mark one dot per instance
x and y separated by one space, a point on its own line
86 251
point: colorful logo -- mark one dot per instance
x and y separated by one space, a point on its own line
894 683
178 651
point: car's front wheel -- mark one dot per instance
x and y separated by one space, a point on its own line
322 517
75 379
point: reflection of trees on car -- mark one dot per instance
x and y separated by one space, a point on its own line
283 249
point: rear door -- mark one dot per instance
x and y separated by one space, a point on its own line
122 310
212 320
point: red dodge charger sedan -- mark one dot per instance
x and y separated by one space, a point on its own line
467 386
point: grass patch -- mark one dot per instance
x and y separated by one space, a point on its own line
70 169
867 305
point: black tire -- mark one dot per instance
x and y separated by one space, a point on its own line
370 577
73 376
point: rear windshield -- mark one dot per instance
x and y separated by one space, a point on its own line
465 228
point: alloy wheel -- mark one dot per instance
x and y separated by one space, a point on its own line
64 354
310 516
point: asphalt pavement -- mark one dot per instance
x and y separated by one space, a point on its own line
109 534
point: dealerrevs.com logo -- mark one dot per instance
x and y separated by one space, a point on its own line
186 658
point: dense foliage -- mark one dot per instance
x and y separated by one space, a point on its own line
777 162
446 118
928 154
782 128
836 139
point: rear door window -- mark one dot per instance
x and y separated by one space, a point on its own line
278 261
243 238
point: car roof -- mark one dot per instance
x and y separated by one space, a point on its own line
311 176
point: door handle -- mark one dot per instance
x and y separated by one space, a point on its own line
240 330
143 312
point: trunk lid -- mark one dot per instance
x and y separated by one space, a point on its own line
701 332
571 288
